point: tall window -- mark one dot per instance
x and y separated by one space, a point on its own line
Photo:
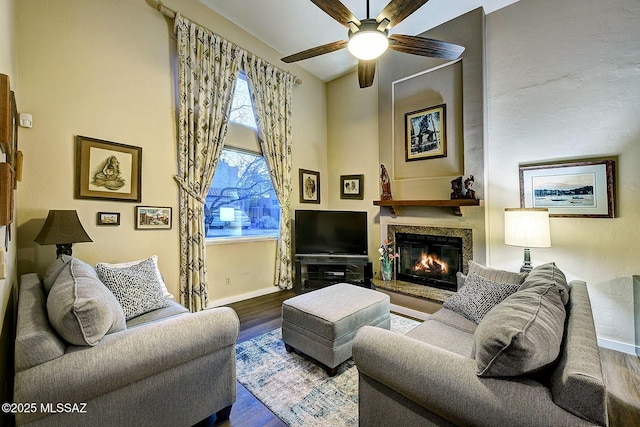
241 201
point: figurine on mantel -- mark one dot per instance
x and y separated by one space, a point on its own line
469 191
456 188
385 182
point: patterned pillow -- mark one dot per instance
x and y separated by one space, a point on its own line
478 296
137 287
153 258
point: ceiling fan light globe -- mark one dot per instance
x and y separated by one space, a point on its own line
367 45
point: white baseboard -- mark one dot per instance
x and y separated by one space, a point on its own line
618 346
242 297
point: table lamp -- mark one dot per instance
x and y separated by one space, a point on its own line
527 228
62 228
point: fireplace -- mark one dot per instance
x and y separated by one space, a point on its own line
431 256
429 260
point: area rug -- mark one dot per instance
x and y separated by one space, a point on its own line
296 388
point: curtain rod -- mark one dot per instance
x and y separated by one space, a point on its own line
169 13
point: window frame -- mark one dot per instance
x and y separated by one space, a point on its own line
214 240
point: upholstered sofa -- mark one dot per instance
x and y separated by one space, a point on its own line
531 359
165 367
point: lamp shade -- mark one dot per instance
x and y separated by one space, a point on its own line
527 227
62 227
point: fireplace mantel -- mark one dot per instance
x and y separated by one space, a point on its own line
454 204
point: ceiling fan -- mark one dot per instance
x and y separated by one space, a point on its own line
369 38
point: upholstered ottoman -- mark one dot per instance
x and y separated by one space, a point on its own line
322 323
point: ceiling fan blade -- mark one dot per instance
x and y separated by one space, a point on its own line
366 72
424 47
397 10
337 11
316 51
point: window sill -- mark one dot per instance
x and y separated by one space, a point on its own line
247 239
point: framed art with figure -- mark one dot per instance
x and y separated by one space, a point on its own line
583 189
309 186
108 170
425 133
352 187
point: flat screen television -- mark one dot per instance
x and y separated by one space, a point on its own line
319 232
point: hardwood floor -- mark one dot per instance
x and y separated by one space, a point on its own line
263 314
257 316
622 375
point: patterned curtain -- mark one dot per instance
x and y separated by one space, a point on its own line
207 70
271 96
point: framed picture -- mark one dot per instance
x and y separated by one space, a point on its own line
7 182
425 133
153 218
309 186
352 187
108 218
6 115
579 189
108 170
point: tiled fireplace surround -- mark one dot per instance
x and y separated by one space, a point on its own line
465 232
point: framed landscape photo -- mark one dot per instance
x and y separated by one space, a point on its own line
425 133
309 186
108 218
578 189
108 170
352 187
153 218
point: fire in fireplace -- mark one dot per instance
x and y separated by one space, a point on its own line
428 259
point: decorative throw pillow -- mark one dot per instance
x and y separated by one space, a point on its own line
137 287
522 334
548 274
478 296
80 308
153 258
496 275
53 271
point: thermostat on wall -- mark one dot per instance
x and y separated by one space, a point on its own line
26 121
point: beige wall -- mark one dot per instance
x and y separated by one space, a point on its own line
353 149
564 84
8 66
105 70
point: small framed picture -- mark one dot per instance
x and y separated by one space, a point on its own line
108 218
108 170
425 133
583 189
352 187
153 218
309 186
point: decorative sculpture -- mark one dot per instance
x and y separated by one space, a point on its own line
469 192
456 188
385 182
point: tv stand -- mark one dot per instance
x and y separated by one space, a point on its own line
317 271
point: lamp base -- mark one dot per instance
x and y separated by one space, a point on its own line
526 264
63 249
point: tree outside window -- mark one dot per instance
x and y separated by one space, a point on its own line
241 201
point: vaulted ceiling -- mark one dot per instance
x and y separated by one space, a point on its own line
290 26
